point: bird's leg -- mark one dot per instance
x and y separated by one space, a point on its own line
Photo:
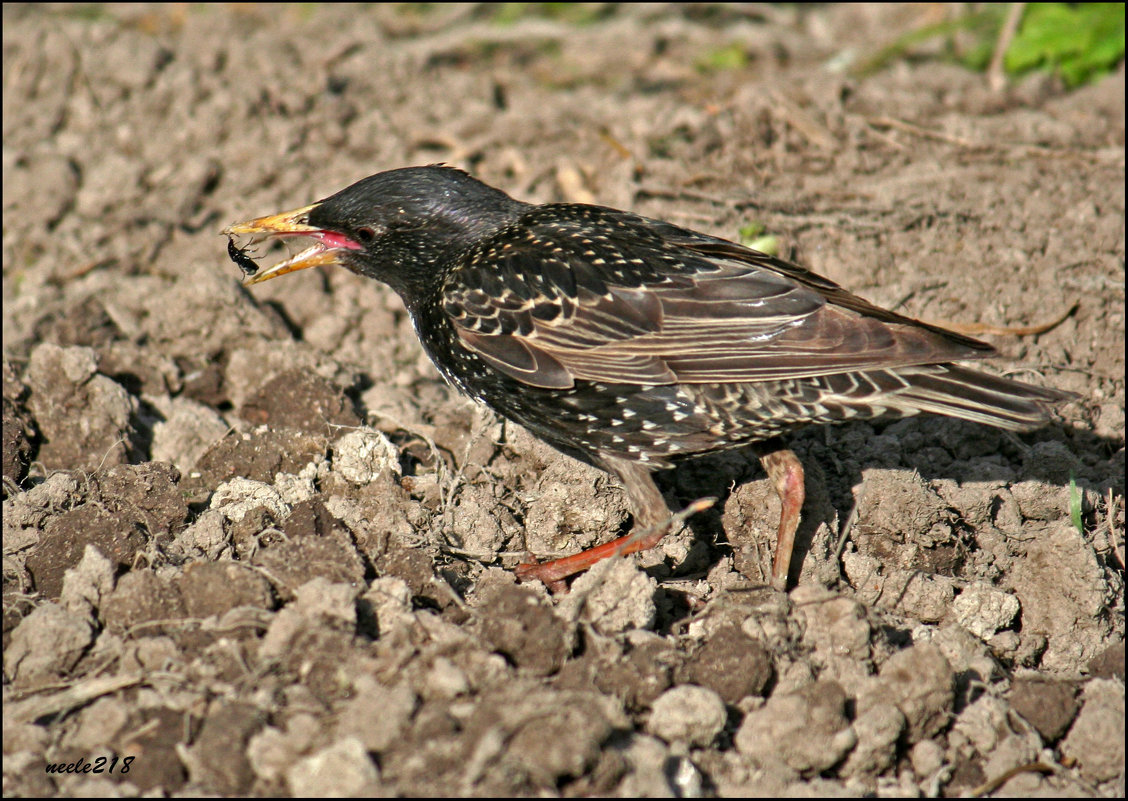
651 522
786 472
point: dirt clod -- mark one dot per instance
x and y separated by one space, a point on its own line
1049 706
808 730
522 627
730 663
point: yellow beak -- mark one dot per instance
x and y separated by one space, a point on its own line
288 223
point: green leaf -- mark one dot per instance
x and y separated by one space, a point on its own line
729 57
750 231
1075 506
1081 42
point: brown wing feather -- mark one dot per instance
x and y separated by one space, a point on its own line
662 311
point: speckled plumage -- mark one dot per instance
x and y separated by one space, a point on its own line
631 342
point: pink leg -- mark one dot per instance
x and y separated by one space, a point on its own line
786 472
650 525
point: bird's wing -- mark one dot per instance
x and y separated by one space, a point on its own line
637 301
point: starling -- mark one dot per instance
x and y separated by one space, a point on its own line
631 343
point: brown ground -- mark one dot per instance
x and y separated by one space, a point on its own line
254 543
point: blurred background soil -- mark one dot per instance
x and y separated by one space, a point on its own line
252 541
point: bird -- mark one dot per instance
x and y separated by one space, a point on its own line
631 343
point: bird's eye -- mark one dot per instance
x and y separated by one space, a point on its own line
366 235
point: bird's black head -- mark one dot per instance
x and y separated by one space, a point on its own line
399 227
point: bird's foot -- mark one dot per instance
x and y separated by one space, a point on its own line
554 572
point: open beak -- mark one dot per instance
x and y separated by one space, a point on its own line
326 249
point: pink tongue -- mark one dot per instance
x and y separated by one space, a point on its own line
336 240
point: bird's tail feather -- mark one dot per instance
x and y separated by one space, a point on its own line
956 391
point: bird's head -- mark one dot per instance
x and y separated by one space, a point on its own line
397 226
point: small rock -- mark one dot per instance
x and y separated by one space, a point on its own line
143 597
927 757
807 730
445 680
1062 587
1048 705
1096 740
924 596
984 727
214 588
968 656
878 730
272 750
920 682
614 596
836 634
342 770
299 399
376 715
687 714
240 496
331 602
85 418
360 456
218 757
206 535
87 584
647 758
730 663
388 600
188 429
1109 663
46 643
546 735
522 626
983 609
319 606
